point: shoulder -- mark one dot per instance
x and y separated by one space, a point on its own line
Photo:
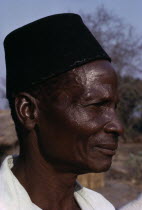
95 199
134 205
13 196
98 199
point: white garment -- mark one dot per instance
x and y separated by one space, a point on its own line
13 196
134 205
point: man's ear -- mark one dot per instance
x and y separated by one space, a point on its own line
27 110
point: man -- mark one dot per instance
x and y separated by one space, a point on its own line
63 95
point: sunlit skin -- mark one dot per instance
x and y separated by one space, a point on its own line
69 132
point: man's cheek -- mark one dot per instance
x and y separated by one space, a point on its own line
89 127
91 122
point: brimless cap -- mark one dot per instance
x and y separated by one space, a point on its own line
46 48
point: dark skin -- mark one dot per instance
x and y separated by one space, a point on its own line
71 132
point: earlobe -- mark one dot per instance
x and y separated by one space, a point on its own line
27 111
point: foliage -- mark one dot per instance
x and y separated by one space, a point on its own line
118 38
130 106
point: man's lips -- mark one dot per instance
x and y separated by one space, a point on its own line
107 149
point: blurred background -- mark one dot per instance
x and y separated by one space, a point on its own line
117 26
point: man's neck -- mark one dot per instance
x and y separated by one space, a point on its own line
48 187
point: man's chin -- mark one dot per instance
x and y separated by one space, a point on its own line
103 166
95 168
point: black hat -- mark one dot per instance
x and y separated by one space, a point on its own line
46 48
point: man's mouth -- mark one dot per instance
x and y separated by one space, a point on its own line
107 149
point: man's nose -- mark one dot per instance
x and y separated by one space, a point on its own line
114 126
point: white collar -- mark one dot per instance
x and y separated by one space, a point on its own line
13 196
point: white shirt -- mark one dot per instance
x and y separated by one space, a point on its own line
134 205
13 196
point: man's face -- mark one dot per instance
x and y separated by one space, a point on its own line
78 125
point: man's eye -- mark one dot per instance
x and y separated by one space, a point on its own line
101 103
98 104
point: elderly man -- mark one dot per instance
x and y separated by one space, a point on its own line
62 92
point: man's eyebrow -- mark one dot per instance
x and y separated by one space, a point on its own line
97 99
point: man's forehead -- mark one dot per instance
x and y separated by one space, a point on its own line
94 71
93 79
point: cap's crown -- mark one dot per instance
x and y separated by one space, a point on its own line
46 48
